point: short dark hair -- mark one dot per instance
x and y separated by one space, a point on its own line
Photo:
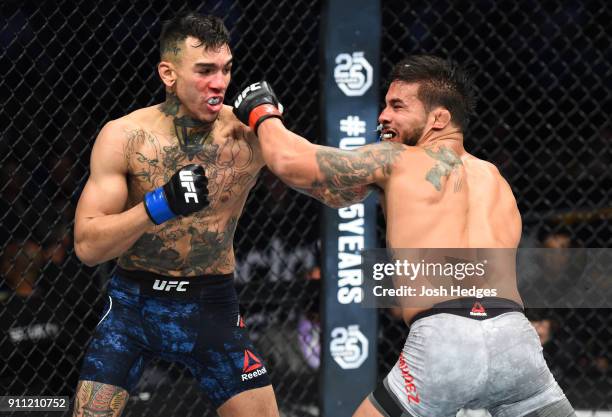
441 83
209 30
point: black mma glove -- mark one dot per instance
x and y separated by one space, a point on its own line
184 194
255 104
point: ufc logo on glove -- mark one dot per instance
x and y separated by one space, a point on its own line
187 183
245 92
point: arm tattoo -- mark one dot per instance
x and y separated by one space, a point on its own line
347 169
338 198
448 161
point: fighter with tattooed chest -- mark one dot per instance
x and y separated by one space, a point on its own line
461 352
168 184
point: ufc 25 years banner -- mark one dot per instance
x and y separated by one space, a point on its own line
351 31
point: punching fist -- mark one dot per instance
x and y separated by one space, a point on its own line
184 194
255 104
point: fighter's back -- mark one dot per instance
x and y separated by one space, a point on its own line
467 329
443 197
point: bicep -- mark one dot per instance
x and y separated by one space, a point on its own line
106 190
102 195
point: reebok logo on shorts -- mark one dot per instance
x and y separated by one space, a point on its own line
252 366
478 310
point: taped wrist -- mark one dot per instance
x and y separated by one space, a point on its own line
157 207
261 113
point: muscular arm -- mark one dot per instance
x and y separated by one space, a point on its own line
332 198
103 230
304 165
338 198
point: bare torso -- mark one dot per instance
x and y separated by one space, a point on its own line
203 242
443 197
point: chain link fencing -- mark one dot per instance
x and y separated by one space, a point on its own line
543 71
69 67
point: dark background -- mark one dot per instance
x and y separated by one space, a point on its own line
543 71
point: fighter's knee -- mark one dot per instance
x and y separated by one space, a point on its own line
95 398
259 402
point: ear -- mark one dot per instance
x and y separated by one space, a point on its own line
441 118
167 73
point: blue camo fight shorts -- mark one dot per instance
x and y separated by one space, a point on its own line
193 321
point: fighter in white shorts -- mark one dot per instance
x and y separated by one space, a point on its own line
435 195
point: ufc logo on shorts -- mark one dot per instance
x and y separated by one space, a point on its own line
187 183
161 285
245 92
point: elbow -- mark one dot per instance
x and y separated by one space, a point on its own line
85 255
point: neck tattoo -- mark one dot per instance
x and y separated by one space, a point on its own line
191 133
